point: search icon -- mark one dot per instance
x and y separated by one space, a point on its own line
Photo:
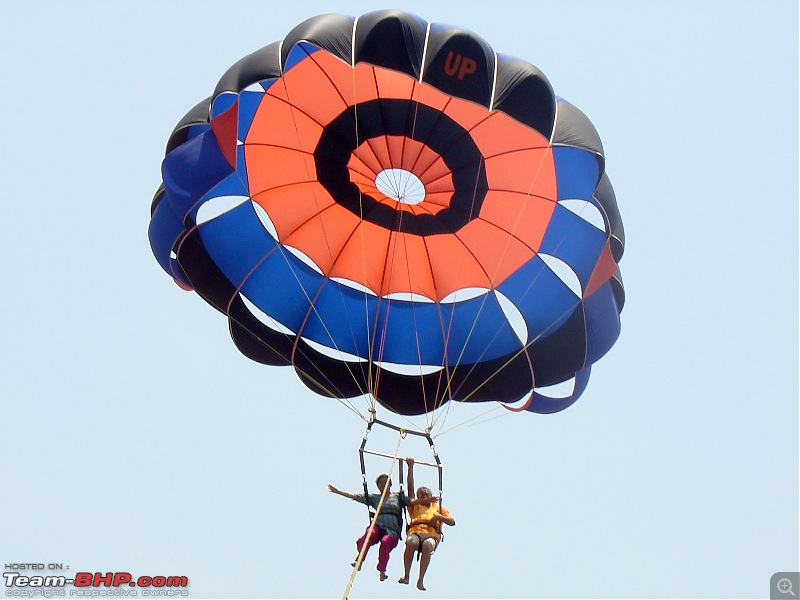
784 586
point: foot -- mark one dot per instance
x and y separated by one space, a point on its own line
420 587
403 580
384 576
353 564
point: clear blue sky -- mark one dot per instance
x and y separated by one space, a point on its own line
134 437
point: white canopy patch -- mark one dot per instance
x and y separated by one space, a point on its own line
564 272
215 207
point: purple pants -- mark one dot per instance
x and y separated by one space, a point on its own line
372 535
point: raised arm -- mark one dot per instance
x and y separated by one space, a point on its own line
412 491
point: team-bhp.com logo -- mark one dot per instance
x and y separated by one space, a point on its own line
113 583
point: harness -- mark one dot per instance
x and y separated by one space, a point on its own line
420 521
401 516
396 515
436 528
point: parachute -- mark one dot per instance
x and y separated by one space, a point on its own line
400 212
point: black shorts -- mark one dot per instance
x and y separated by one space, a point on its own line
421 538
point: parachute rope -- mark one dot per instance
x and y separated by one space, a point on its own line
511 235
330 391
312 307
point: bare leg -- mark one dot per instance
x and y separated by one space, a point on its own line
427 550
412 544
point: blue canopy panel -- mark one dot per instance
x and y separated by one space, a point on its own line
299 52
192 131
602 322
191 170
229 192
478 329
577 172
403 332
544 404
223 103
236 241
165 229
573 239
542 297
283 287
167 222
408 333
342 319
444 334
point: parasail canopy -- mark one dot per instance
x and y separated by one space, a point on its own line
397 210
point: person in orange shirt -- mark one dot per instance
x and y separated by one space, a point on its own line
426 517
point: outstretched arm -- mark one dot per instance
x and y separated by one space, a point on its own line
429 500
341 493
